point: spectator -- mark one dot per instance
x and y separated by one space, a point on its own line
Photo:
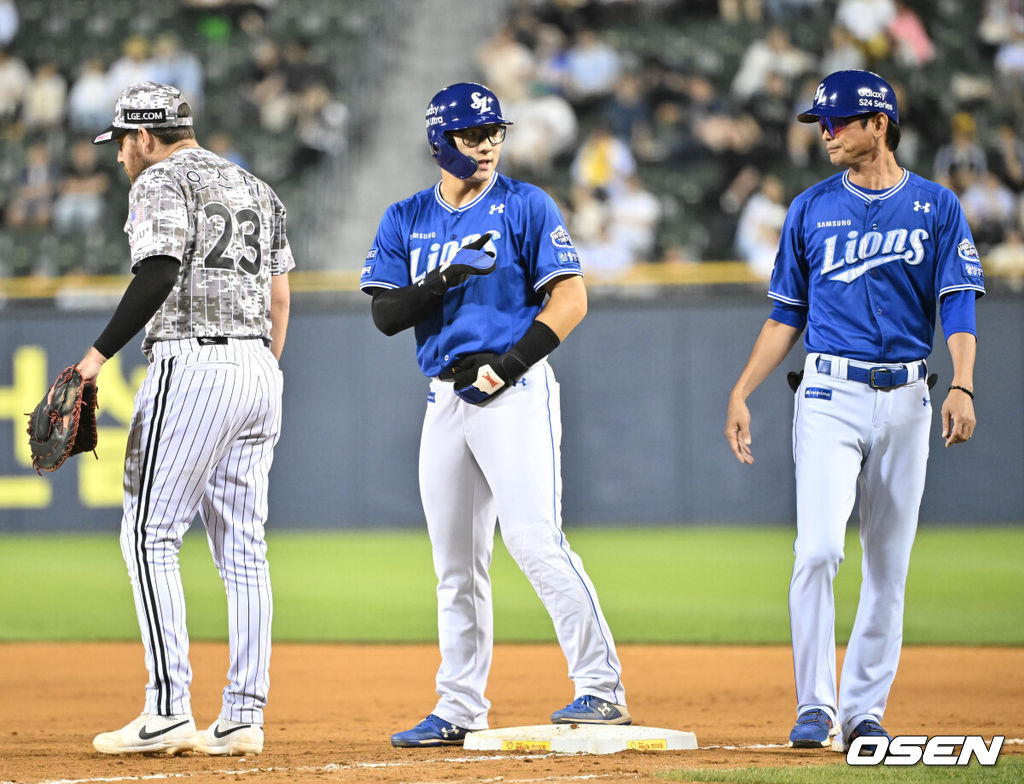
507 65
990 208
592 68
735 11
172 65
221 143
31 205
910 40
131 68
551 69
627 111
8 22
604 258
775 53
46 99
1007 157
999 20
603 161
88 108
1009 63
842 53
634 213
546 128
321 126
962 157
267 88
770 106
868 21
15 78
760 226
1007 258
668 138
81 193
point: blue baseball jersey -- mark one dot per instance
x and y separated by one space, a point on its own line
488 312
870 266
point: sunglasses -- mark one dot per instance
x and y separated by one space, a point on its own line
471 137
836 125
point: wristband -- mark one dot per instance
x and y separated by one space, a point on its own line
539 341
965 390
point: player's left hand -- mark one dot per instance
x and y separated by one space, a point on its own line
958 419
481 377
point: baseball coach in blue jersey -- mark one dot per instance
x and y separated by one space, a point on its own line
865 259
485 271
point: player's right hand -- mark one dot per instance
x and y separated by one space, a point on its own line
737 430
469 260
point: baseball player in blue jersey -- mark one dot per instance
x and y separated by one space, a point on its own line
864 259
484 270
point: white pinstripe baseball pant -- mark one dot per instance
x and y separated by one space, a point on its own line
202 440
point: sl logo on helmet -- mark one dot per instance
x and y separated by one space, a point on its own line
819 94
481 103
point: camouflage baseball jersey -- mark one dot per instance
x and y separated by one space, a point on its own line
226 227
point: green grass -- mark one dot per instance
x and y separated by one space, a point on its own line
1007 770
694 585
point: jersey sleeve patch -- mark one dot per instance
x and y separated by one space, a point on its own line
966 250
560 237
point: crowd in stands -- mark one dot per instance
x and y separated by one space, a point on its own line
271 106
667 127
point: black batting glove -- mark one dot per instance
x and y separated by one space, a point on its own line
470 259
482 377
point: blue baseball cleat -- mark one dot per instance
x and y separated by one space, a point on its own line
591 710
432 731
868 728
813 730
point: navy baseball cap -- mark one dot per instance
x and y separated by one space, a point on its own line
851 93
147 105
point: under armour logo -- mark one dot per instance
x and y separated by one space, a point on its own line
926 206
480 102
445 731
604 708
490 380
497 208
924 401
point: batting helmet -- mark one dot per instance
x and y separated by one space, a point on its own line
458 106
849 93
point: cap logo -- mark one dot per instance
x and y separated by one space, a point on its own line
867 92
480 102
819 94
138 116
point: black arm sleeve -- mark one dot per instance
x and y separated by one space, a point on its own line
147 292
397 309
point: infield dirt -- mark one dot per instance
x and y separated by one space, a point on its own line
333 708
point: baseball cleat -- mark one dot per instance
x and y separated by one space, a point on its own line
589 709
813 730
230 739
432 731
149 734
867 728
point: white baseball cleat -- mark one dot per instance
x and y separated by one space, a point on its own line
149 734
230 739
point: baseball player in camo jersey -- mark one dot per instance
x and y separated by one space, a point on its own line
210 260
469 264
865 257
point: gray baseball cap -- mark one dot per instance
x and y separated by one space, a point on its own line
147 105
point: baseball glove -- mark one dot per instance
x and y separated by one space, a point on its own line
64 422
